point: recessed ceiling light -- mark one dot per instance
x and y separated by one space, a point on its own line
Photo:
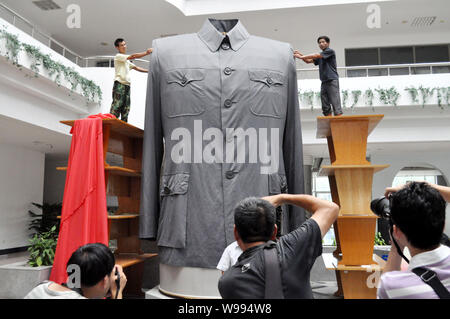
104 44
405 21
46 5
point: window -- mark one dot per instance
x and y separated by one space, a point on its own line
397 55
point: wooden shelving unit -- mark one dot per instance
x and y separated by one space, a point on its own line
125 140
350 175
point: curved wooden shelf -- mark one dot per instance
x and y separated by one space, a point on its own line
114 170
329 170
127 260
117 126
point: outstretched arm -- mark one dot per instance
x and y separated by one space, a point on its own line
443 190
307 58
140 69
140 55
323 212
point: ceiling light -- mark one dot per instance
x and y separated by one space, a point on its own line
46 5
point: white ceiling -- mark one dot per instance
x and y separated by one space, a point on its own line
141 21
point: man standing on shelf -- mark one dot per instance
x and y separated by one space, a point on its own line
121 91
326 60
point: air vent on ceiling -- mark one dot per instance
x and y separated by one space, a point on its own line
423 21
46 5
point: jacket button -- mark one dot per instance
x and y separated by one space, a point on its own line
228 103
229 174
225 46
167 190
269 81
183 80
227 71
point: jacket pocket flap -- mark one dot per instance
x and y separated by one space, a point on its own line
176 184
266 76
185 76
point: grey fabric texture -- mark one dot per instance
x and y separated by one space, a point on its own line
198 82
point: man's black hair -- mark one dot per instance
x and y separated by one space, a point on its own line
419 211
254 219
327 39
118 41
95 262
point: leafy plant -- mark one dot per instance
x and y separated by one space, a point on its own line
355 94
89 89
42 248
308 96
368 97
43 222
379 241
344 97
426 93
388 96
413 93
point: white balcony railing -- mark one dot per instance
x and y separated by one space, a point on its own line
379 70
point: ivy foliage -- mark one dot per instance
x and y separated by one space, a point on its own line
54 69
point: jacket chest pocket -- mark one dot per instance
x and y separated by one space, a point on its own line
184 93
267 93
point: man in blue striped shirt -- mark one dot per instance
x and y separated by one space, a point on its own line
418 214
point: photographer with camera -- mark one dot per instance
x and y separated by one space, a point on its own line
281 269
97 274
416 213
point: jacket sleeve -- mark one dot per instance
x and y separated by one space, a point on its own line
293 149
152 156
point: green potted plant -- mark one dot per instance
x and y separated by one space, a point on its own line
18 279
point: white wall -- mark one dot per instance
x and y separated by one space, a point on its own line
21 176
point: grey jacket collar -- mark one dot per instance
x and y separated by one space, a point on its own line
211 33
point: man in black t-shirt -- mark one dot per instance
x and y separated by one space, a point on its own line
297 251
326 60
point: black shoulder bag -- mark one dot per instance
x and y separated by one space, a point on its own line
273 286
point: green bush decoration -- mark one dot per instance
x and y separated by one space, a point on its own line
388 96
42 248
89 89
368 97
379 241
413 93
355 94
308 96
426 93
344 97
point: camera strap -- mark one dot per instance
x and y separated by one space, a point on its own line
430 278
273 285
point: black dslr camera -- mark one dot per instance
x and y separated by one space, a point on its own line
381 207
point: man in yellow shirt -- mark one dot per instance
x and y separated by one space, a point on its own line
120 106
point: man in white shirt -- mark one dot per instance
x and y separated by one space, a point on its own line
120 106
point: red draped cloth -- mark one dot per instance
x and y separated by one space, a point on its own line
84 217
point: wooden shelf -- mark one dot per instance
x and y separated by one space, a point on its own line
118 217
331 263
118 126
127 260
323 122
114 170
328 170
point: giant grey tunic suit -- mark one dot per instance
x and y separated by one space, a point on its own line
247 82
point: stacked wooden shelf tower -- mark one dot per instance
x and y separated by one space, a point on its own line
350 176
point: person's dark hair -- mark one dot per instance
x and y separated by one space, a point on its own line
254 219
419 211
327 39
118 41
95 262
